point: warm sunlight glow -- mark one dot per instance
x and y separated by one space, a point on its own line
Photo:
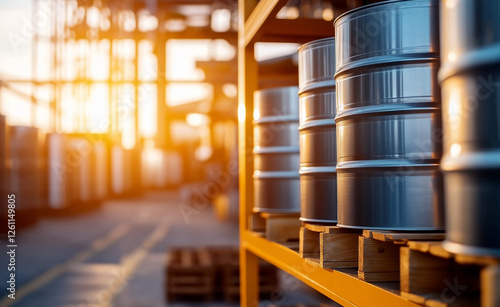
197 119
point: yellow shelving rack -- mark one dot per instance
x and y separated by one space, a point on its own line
258 24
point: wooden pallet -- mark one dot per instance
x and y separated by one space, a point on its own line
281 228
329 247
190 274
211 273
431 276
268 281
378 258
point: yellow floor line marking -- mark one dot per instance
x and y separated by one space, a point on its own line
54 272
132 260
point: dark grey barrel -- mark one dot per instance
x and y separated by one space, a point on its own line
23 167
276 151
318 155
470 81
389 117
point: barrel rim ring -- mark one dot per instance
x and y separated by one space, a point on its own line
317 41
458 248
369 6
429 229
473 59
387 61
384 109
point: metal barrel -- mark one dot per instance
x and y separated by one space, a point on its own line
118 174
389 117
101 170
276 151
57 171
318 153
22 155
80 170
470 81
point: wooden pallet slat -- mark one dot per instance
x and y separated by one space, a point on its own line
432 280
379 257
279 228
378 260
329 247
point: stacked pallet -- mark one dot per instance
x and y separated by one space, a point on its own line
211 273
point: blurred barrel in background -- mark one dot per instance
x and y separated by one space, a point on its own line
118 185
470 80
56 171
23 170
318 152
389 117
276 151
79 168
101 170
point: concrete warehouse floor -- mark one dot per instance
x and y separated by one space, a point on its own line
115 256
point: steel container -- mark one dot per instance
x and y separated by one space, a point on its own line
118 180
100 180
276 151
173 168
318 155
470 81
22 161
57 197
80 170
389 117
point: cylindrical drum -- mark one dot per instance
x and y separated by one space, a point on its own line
318 153
100 179
118 170
80 170
389 117
57 170
276 151
470 81
23 164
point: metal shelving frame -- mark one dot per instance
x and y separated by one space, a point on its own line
257 23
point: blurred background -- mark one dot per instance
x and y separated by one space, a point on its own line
119 140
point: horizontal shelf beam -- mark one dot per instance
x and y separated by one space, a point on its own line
297 30
264 12
342 287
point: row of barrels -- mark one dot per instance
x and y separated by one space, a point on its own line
73 172
393 126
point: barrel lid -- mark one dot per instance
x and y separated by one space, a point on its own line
369 6
317 169
322 41
276 175
474 160
257 150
